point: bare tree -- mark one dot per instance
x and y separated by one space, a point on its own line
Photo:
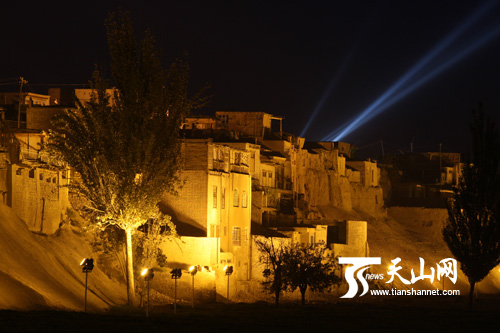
272 252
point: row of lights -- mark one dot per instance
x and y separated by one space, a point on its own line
87 265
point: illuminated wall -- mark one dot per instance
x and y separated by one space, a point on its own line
38 196
370 173
255 124
356 241
216 197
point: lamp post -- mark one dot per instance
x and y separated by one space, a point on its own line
148 276
87 267
228 270
176 274
193 270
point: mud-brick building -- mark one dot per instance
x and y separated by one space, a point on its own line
215 201
33 185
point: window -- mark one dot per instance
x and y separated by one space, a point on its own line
236 236
244 199
244 159
223 199
236 199
214 199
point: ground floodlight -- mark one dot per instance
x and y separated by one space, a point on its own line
148 274
87 265
176 273
193 270
228 270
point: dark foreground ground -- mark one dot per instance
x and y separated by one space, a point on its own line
429 313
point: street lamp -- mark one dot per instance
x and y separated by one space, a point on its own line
228 270
148 276
176 274
193 270
87 267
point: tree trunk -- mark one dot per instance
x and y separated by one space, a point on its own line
471 292
130 270
277 284
303 294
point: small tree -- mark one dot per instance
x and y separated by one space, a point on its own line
272 252
309 266
473 230
127 152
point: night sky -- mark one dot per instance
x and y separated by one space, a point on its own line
284 58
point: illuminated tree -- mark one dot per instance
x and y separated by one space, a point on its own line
125 147
473 230
272 252
309 266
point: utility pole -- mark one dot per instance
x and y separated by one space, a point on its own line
22 82
440 151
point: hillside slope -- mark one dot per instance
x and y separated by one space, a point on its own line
411 233
38 271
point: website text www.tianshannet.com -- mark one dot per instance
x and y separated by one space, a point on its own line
414 292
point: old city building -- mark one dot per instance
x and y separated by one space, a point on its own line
241 175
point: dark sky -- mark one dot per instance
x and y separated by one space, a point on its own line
280 57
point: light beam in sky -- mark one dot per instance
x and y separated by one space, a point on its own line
326 94
409 82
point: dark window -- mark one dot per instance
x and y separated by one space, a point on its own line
236 199
244 199
236 236
223 199
214 199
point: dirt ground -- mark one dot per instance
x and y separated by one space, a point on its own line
428 313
